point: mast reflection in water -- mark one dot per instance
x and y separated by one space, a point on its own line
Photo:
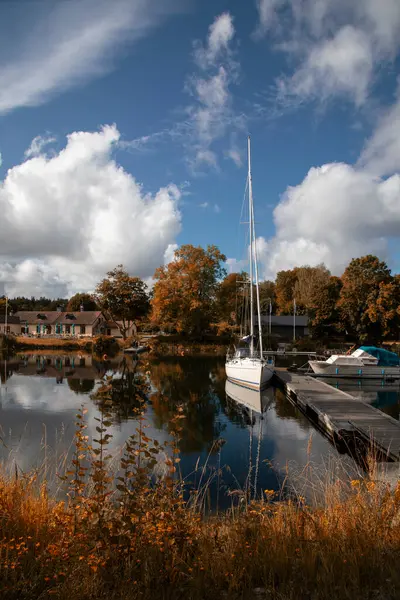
226 435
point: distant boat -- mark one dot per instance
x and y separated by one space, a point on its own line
367 362
247 366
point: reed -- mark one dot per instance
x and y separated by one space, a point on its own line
126 533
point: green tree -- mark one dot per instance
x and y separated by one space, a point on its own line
123 298
85 300
185 290
359 295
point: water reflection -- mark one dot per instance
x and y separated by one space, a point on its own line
223 430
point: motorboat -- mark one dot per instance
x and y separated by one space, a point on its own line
248 366
367 362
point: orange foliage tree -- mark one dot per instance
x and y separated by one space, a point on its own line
365 297
230 297
185 290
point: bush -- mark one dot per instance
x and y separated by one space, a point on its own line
106 345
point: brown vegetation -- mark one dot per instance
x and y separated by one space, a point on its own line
142 538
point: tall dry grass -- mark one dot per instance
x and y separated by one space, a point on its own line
125 533
140 539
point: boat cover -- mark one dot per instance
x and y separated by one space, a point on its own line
385 357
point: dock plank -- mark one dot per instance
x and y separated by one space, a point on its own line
339 412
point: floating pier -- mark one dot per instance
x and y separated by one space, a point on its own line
341 416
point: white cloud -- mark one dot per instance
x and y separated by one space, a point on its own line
70 43
211 111
381 154
342 65
217 208
337 213
169 254
267 10
38 144
68 218
203 205
220 34
337 47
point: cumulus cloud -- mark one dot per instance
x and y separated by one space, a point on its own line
70 43
337 213
70 217
337 47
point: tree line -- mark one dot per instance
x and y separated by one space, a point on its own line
193 294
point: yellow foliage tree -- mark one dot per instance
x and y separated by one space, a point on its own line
185 290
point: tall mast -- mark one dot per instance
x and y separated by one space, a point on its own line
257 286
253 235
251 251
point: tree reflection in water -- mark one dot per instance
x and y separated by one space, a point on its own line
81 386
123 393
195 383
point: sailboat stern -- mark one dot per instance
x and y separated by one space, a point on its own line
253 374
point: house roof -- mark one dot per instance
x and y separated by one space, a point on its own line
33 317
37 316
285 320
11 320
85 317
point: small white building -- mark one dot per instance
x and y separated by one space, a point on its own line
81 323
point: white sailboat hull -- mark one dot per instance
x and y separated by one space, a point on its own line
325 369
252 373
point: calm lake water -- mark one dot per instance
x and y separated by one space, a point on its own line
223 429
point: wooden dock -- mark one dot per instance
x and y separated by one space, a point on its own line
342 416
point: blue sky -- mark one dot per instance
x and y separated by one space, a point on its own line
123 134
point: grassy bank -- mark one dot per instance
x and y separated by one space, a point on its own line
46 343
141 539
179 345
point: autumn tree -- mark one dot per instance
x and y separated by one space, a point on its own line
324 314
386 309
123 298
299 284
267 296
85 300
363 282
284 290
230 295
308 281
185 290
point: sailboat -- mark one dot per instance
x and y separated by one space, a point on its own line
247 367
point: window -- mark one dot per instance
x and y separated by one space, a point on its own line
83 329
82 361
68 329
8 329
